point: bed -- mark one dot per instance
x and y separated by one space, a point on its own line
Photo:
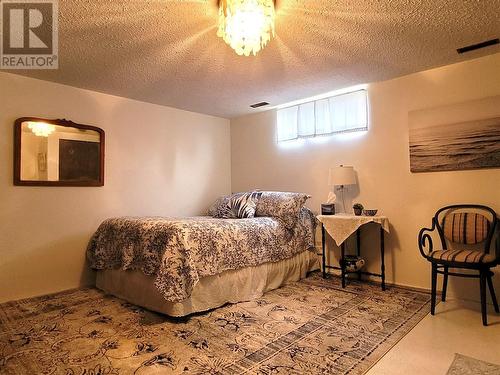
179 266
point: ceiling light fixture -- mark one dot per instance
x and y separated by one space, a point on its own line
41 129
246 25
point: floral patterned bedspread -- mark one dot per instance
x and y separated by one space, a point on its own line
181 251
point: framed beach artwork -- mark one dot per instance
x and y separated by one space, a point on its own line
457 137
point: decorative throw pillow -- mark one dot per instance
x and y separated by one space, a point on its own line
240 206
218 206
282 205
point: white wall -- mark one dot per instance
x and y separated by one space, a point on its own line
159 161
381 159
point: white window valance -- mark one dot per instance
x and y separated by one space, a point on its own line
336 114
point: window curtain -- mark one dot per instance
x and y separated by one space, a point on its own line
337 114
287 124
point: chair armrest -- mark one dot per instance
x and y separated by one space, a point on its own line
425 240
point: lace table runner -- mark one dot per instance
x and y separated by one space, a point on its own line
341 226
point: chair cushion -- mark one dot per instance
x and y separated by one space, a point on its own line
466 227
462 256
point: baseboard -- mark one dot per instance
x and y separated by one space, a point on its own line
450 295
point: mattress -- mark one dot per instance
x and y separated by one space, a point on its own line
231 286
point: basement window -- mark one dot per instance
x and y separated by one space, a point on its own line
332 115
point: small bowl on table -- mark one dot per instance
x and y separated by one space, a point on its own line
370 212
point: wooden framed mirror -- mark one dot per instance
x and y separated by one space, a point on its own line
57 153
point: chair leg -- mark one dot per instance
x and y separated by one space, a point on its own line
492 291
433 288
482 288
445 283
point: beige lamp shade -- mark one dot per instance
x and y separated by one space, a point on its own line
341 176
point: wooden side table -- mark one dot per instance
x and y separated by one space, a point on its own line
340 228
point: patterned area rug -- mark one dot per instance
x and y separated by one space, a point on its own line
309 327
463 365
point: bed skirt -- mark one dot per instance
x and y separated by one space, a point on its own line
213 291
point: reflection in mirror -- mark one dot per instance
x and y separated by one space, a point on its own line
59 153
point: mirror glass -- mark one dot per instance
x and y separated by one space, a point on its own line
60 154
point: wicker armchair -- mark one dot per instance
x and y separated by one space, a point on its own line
465 232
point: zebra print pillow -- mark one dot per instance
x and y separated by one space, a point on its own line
219 207
240 206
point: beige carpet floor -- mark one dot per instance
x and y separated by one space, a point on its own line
309 327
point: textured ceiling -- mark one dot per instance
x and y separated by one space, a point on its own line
167 52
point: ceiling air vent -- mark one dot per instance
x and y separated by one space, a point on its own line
261 104
474 47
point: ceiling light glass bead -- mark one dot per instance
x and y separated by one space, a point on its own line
246 25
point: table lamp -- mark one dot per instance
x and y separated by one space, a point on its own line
342 176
